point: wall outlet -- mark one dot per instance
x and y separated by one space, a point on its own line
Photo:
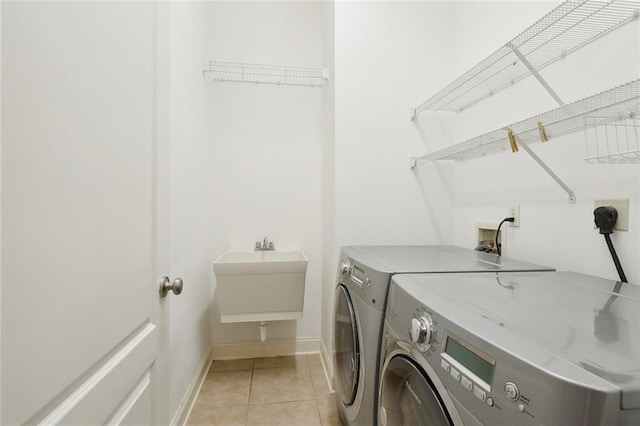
514 212
622 205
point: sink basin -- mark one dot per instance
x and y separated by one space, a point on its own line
260 285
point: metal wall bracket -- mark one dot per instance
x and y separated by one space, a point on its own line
535 73
572 195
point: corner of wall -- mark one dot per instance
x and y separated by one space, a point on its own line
327 364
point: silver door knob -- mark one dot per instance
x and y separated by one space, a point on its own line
166 286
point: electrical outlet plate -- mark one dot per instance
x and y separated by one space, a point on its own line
622 205
514 212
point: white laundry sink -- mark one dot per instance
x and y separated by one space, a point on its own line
260 285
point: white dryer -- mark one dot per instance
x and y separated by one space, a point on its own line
360 298
523 349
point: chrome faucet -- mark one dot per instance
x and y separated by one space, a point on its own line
265 246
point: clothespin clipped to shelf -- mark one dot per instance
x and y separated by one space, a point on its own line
543 132
512 141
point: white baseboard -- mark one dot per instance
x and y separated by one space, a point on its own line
327 364
270 348
191 395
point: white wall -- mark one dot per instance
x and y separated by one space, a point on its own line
259 167
328 180
553 231
388 55
245 163
191 233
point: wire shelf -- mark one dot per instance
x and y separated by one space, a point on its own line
615 110
266 74
567 28
614 140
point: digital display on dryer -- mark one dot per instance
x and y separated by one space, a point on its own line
471 358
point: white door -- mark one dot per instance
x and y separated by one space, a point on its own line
83 230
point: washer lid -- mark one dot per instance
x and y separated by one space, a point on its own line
434 259
591 323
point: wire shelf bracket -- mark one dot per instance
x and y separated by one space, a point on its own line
266 74
547 169
536 74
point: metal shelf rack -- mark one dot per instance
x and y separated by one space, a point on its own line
567 28
613 113
611 116
266 74
615 107
613 140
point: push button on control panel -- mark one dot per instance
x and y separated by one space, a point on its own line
466 383
445 365
455 374
479 393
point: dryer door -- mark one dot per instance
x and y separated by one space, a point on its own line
346 350
407 396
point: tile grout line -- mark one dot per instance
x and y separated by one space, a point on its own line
253 368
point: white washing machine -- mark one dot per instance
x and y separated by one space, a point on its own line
554 348
360 298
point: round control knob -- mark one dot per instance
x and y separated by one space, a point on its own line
345 267
511 390
421 331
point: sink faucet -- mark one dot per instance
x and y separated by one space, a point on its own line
265 246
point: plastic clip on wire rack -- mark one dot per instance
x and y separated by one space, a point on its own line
266 74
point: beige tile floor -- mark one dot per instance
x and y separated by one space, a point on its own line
288 390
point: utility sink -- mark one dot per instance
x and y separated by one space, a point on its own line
260 285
